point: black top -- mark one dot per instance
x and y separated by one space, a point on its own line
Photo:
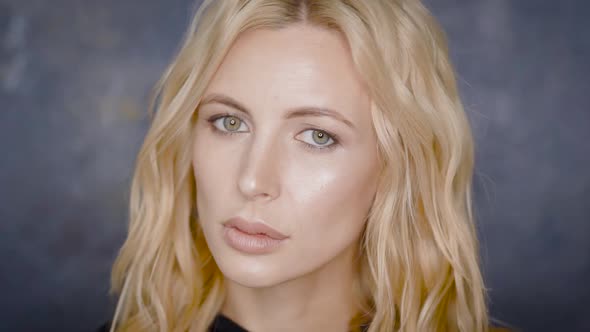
221 323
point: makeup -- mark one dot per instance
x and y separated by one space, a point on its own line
285 139
251 237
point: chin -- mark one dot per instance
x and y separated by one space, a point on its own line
254 272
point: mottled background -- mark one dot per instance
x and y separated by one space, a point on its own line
74 80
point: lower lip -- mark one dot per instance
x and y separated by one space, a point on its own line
250 243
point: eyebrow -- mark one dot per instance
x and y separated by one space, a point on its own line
292 113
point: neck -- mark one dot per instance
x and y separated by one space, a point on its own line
322 300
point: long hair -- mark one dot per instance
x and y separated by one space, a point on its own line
420 268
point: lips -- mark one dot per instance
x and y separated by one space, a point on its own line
254 228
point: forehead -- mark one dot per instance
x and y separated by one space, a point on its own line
290 66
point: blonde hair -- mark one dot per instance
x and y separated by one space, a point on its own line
420 264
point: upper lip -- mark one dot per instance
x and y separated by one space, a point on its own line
254 227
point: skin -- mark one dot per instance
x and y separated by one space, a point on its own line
277 169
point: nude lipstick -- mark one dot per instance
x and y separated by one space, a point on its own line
251 237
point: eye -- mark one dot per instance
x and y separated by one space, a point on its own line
228 124
319 139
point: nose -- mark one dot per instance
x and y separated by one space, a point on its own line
259 174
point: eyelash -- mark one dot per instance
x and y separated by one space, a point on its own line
310 147
214 118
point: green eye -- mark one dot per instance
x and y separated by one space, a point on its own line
227 124
231 123
320 137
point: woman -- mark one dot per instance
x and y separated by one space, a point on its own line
308 168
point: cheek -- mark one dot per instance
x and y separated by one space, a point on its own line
330 203
210 169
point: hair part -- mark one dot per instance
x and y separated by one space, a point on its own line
419 267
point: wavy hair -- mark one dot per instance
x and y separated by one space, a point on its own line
420 268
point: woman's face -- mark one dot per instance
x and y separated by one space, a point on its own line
284 138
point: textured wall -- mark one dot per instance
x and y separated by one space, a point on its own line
74 78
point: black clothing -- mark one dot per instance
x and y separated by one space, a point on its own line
221 323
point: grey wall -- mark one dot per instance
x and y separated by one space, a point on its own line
74 77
